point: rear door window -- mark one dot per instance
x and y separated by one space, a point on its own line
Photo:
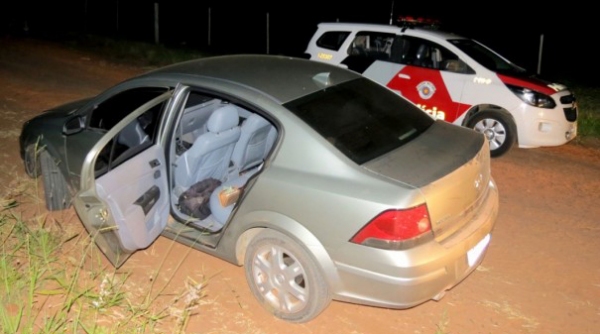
371 44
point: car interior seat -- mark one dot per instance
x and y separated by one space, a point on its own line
256 140
399 50
452 65
253 145
423 56
436 58
132 135
210 154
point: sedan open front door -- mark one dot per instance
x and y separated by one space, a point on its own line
123 200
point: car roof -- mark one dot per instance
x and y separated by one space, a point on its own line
283 78
399 30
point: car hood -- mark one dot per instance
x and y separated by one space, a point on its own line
441 149
532 82
67 108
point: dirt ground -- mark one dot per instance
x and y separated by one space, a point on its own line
540 275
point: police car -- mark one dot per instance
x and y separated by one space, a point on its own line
453 78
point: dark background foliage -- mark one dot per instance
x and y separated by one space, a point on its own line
515 30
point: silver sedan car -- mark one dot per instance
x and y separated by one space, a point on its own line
323 184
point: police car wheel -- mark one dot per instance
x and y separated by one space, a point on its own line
498 128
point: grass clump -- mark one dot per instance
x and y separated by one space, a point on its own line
53 279
588 102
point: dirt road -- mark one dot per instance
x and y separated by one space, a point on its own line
541 274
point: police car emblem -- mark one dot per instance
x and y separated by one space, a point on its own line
426 90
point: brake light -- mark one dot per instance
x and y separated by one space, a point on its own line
396 229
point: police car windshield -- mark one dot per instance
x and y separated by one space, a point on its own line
486 57
362 119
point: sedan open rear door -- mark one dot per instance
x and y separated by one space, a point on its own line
123 199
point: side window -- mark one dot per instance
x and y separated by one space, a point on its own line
374 45
423 53
133 138
108 113
332 40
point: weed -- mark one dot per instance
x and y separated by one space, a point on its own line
441 327
190 299
588 101
41 292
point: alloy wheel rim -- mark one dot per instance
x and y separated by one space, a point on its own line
280 279
493 130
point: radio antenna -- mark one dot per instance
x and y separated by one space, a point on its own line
392 13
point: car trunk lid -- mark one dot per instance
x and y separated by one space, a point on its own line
451 167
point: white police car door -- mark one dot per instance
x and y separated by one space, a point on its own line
123 198
425 73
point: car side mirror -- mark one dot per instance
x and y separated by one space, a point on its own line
73 126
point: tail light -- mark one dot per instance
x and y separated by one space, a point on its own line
396 229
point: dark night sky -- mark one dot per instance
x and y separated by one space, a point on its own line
510 28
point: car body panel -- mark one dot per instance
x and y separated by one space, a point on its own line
307 187
265 76
424 170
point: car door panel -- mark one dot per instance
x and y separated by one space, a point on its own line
134 200
77 145
426 88
126 208
383 71
148 199
457 85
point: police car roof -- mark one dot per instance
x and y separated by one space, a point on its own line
392 29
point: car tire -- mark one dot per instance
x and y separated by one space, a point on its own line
498 128
56 191
32 161
284 278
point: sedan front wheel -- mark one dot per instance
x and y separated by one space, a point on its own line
284 277
56 190
32 164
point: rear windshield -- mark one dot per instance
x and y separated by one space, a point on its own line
364 120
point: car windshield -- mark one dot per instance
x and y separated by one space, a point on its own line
486 57
364 120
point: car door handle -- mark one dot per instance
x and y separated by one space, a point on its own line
148 199
154 163
403 76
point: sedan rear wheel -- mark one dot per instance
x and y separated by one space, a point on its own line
284 277
56 190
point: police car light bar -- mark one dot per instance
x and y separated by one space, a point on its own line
411 22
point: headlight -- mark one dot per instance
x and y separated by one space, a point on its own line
532 98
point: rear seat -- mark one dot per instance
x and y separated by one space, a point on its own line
256 140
